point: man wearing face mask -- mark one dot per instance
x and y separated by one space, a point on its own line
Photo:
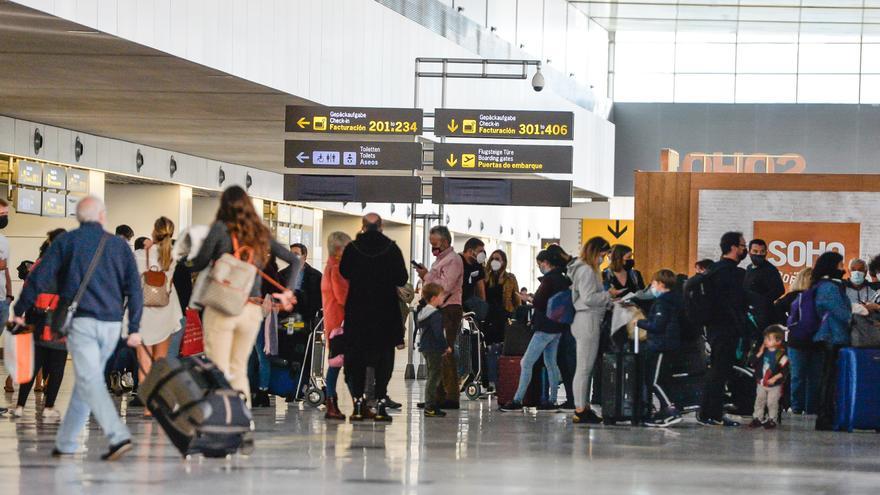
858 289
447 272
764 286
726 327
473 286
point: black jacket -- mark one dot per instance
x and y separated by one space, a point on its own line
308 298
431 326
728 283
552 283
374 268
663 323
763 286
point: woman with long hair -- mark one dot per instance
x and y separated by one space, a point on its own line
230 339
158 323
805 357
621 278
503 299
835 312
334 293
590 302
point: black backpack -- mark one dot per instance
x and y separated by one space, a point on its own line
701 299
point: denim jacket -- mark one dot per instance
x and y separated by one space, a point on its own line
836 312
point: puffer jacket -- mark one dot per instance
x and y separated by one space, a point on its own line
662 325
835 311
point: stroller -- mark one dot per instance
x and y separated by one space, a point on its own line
470 347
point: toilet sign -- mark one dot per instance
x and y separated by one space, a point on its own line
793 246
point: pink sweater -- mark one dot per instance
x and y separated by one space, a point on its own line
447 271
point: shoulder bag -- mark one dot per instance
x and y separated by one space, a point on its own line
66 310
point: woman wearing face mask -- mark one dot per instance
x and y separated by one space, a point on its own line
545 340
590 302
834 311
621 278
503 299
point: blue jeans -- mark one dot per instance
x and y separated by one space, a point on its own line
541 343
4 314
259 368
177 339
493 355
90 344
806 376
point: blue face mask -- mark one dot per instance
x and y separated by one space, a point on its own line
857 278
655 292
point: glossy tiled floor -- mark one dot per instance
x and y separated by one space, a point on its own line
475 450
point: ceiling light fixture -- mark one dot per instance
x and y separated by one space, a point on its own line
38 141
139 161
82 31
78 149
172 166
221 177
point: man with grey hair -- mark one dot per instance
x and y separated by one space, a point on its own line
859 289
447 272
97 322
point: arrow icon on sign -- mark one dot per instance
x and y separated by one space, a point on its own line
452 126
302 157
451 161
616 232
302 122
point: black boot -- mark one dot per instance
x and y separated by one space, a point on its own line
261 399
381 412
358 413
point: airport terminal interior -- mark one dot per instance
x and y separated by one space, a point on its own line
439 246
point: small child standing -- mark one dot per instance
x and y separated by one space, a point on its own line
432 345
771 367
663 335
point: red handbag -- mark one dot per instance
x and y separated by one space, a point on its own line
193 335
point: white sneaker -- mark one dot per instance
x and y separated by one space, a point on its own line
18 412
50 413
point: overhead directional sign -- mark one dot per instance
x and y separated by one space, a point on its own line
503 124
352 188
354 120
513 158
352 155
501 192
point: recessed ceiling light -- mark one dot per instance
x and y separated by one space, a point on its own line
221 76
82 31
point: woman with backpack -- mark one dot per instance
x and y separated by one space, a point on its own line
231 331
590 302
834 311
50 350
162 314
545 340
805 357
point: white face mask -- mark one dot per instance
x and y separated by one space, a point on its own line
495 265
481 258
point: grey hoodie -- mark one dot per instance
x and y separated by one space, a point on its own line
587 292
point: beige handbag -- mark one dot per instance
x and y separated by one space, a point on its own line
154 284
229 284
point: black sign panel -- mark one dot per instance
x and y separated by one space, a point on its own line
513 158
354 120
352 155
503 192
504 124
352 188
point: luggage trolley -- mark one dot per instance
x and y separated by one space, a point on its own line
470 353
315 392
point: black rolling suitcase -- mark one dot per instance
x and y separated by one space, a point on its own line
196 407
622 386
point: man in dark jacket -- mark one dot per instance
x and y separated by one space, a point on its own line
97 323
763 284
374 268
728 325
308 286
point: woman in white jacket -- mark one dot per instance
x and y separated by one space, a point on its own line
590 302
158 322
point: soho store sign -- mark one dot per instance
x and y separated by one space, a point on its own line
793 246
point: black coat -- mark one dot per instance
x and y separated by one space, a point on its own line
731 304
552 283
763 286
308 298
663 323
374 268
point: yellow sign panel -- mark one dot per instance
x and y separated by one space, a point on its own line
468 161
613 231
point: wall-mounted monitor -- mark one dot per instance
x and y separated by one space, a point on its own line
54 177
29 174
78 181
54 204
28 201
72 201
284 212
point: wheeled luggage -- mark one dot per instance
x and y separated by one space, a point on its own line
858 390
622 386
283 378
196 407
508 381
517 336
